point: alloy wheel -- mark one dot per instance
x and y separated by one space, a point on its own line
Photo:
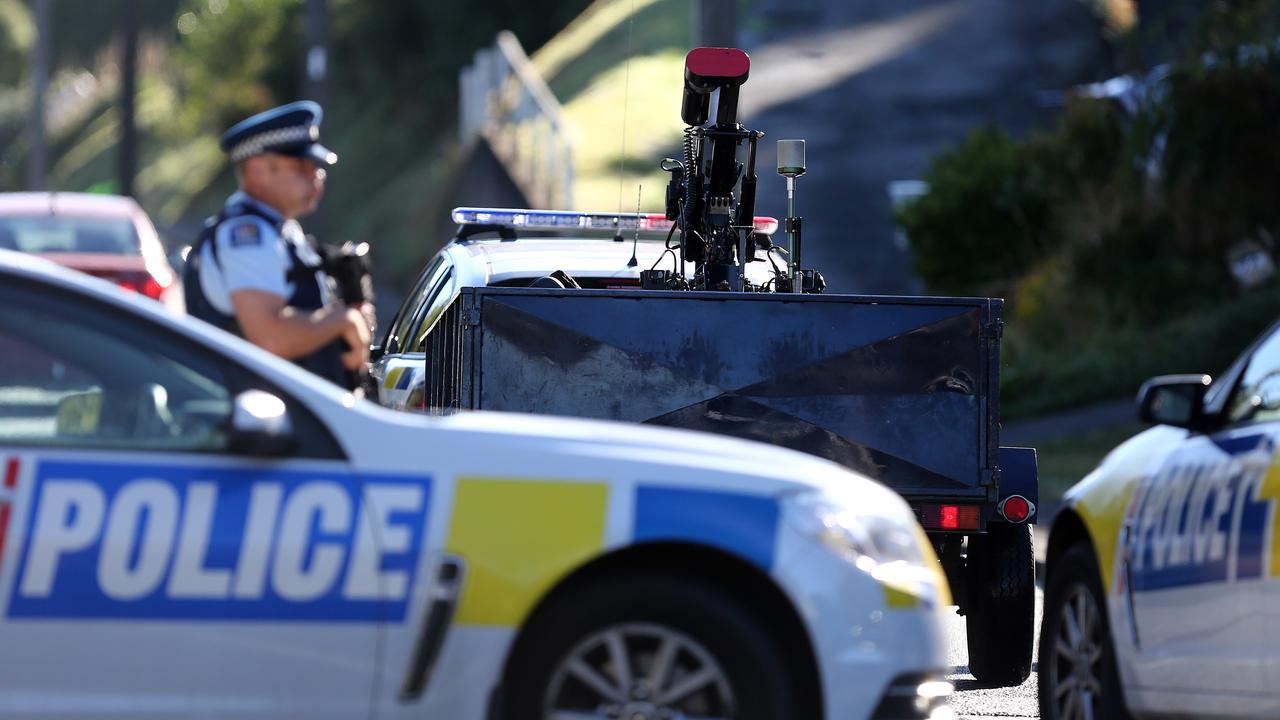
639 671
1075 673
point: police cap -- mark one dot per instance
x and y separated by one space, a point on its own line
292 129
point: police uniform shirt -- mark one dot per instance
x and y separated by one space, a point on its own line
252 255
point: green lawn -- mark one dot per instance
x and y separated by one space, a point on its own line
624 117
1063 461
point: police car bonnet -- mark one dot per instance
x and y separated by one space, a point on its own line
292 129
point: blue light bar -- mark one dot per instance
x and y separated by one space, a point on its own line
573 220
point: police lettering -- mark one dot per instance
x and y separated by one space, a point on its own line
1193 523
194 547
1181 517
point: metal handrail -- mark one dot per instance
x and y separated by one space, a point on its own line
505 101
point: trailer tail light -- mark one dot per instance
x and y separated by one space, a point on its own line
1016 509
949 517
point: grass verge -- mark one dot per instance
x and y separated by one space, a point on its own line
625 116
1064 461
1116 362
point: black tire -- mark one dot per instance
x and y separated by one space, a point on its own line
1076 580
755 665
1001 587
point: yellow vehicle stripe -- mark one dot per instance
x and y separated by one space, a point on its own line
518 538
1103 514
392 378
935 566
905 593
1270 489
896 599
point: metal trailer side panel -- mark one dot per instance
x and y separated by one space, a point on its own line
901 389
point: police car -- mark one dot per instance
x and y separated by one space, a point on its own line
1163 586
499 247
190 526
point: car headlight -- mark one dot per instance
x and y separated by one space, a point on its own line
889 546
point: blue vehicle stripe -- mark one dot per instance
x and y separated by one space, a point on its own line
402 383
743 524
1240 444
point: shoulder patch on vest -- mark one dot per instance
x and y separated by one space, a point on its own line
245 234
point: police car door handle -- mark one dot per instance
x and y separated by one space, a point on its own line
442 601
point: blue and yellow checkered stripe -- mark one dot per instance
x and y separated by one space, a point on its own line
520 537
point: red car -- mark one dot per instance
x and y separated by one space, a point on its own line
108 236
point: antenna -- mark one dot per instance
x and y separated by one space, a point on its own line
791 166
626 95
635 240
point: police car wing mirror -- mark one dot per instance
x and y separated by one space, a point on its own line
1176 400
260 425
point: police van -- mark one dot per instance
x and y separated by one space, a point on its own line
1163 584
190 526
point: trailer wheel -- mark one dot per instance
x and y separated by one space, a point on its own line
1001 589
648 645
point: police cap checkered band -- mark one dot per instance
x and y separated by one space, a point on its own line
292 129
272 139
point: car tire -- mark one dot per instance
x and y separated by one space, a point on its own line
1001 588
714 634
1075 592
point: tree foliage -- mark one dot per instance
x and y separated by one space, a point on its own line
17 37
1122 220
1140 209
233 59
986 182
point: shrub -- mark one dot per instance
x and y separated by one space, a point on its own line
1111 233
1113 362
981 222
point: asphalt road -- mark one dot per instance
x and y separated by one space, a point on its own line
973 701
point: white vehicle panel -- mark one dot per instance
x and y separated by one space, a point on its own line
137 582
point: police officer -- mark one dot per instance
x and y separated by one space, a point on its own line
253 271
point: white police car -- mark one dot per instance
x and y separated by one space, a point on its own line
190 526
499 247
1163 586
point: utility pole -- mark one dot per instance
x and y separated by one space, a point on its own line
716 23
39 84
316 32
315 82
128 157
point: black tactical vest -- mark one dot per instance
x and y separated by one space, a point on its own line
307 295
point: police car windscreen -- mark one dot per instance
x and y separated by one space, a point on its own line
57 234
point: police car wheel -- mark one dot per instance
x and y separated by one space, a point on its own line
1077 677
1001 587
649 647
